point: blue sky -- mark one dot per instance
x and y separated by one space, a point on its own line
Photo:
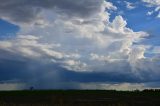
138 20
7 29
88 44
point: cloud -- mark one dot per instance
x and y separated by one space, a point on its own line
24 11
150 12
156 49
153 3
119 86
158 16
11 86
129 5
66 43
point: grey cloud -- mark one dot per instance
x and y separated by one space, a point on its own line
26 11
51 75
45 74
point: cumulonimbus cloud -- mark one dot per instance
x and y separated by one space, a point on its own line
63 42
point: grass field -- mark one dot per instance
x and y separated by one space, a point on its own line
80 98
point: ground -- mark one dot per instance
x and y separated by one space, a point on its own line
79 98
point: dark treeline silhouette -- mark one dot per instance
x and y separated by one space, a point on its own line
151 90
147 97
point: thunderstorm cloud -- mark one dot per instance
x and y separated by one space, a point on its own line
73 44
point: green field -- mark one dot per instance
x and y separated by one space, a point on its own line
80 98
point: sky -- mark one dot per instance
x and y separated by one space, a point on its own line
79 44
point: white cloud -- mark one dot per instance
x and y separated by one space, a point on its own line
157 9
109 5
150 12
153 3
130 5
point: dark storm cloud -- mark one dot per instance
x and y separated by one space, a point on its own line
45 75
27 10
